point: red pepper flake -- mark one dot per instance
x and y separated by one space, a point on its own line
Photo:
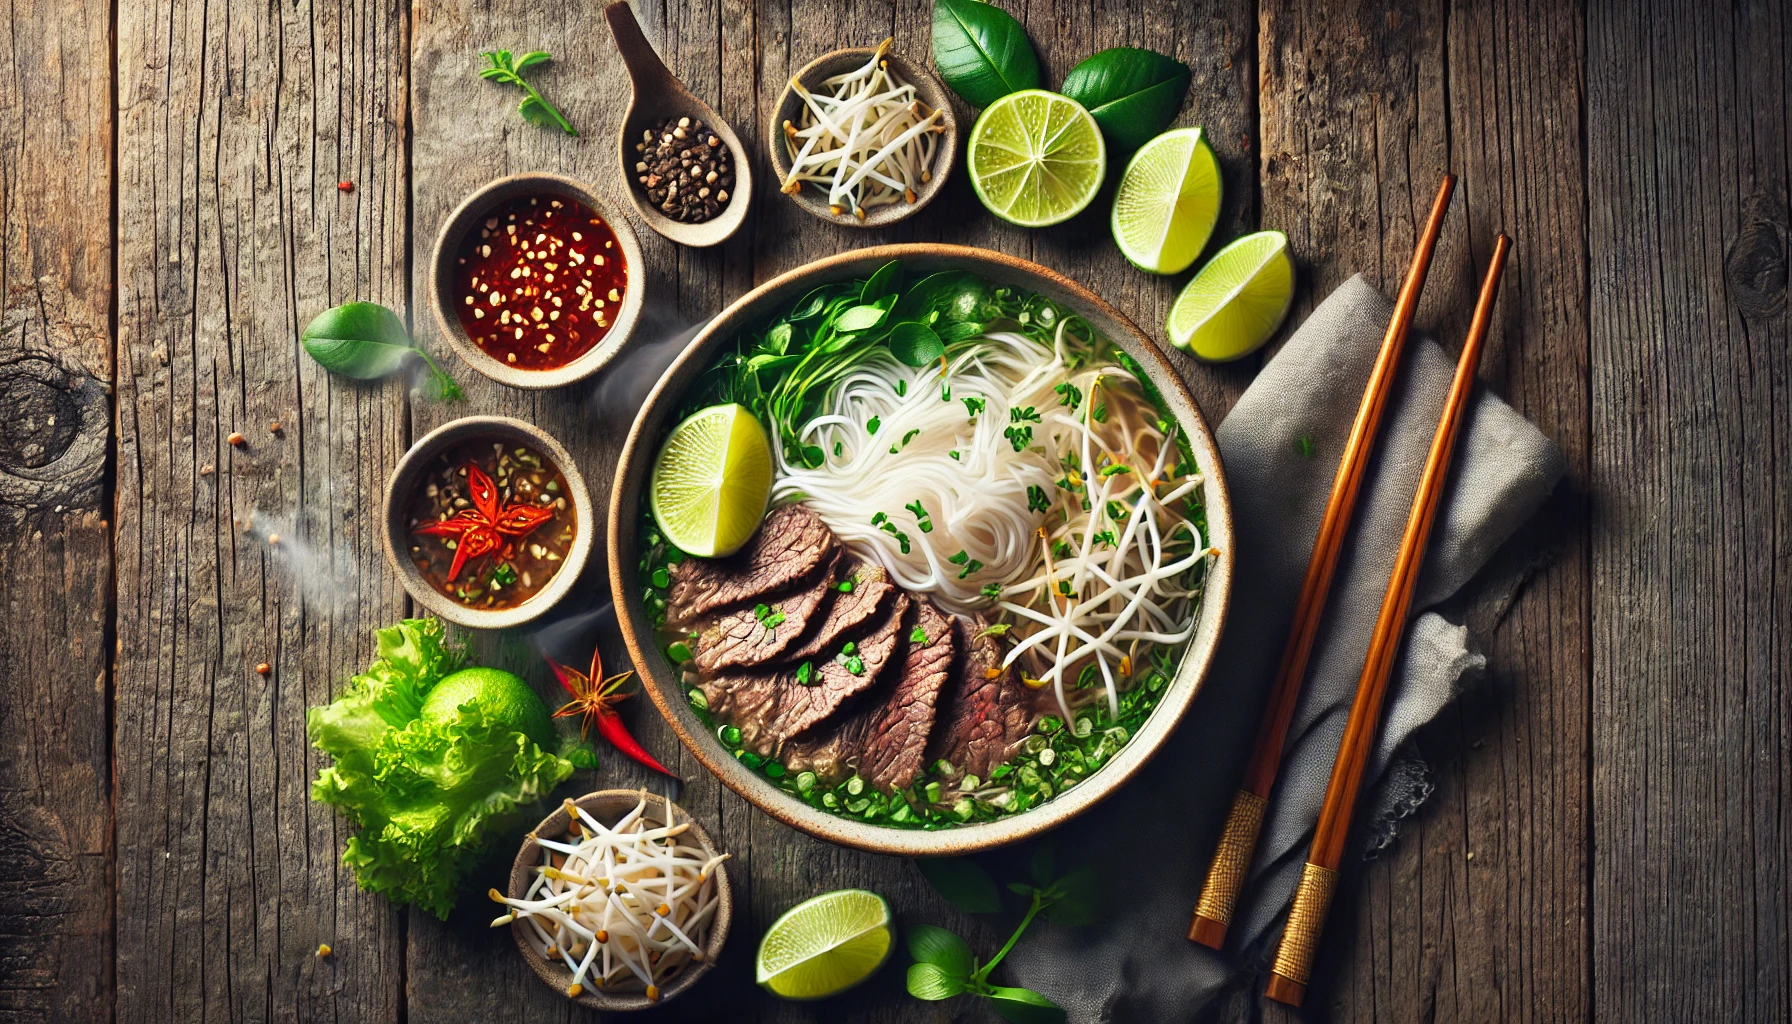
594 697
345 186
539 281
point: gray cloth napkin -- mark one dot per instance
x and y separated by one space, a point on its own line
1280 447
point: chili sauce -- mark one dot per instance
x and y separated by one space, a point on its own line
539 281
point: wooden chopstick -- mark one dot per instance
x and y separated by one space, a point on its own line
1232 858
1306 920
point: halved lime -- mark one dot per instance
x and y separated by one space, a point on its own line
711 481
1237 300
826 945
1036 158
1168 201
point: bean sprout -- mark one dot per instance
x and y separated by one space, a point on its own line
625 906
870 140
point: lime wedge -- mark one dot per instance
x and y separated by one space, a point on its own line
1237 300
1168 201
1036 158
826 945
711 481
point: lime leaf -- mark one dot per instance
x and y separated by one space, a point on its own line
982 52
962 883
929 981
941 948
1132 93
1025 1006
915 344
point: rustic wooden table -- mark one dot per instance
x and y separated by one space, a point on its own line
1612 831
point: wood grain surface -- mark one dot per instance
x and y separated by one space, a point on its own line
1609 835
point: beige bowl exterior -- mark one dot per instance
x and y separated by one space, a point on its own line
469 213
409 474
927 88
608 806
660 678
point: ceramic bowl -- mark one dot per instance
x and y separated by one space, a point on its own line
790 107
661 679
469 214
608 806
409 475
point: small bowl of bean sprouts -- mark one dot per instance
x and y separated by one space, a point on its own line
618 900
863 137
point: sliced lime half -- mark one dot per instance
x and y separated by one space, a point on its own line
1036 158
826 945
1168 201
711 481
1237 300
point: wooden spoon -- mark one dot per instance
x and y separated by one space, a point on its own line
657 95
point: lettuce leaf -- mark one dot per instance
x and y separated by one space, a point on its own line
427 795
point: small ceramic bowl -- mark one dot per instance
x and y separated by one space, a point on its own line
468 214
928 90
409 476
608 806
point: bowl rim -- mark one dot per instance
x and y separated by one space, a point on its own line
555 975
462 218
925 81
404 476
660 679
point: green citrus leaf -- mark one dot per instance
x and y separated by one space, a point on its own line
982 52
929 981
915 344
1133 94
1025 1006
962 883
937 946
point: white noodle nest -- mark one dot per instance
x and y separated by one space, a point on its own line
992 515
627 906
868 140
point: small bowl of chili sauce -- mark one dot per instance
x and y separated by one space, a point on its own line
488 522
538 283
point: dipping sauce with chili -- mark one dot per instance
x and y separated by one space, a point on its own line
491 522
539 281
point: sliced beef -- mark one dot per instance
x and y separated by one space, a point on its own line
791 543
742 638
884 735
986 711
770 707
871 590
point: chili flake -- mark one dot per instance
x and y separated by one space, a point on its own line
539 281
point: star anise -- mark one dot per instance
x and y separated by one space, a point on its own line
483 527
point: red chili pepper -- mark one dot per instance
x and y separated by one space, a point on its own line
483 527
594 699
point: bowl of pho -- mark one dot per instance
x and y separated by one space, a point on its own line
922 549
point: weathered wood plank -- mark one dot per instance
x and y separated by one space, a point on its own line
236 123
1363 109
55 593
1689 123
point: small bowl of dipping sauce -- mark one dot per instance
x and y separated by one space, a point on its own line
537 283
626 944
487 522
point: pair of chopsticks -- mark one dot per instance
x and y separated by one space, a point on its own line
1306 920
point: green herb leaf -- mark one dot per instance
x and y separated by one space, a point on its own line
882 282
1042 862
982 52
860 318
932 982
810 305
366 341
942 949
532 58
582 757
1025 1006
1075 898
918 636
962 883
999 629
1133 94
915 344
534 108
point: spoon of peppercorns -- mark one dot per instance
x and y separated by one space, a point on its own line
684 167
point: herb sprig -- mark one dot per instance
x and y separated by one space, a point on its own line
534 108
944 965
